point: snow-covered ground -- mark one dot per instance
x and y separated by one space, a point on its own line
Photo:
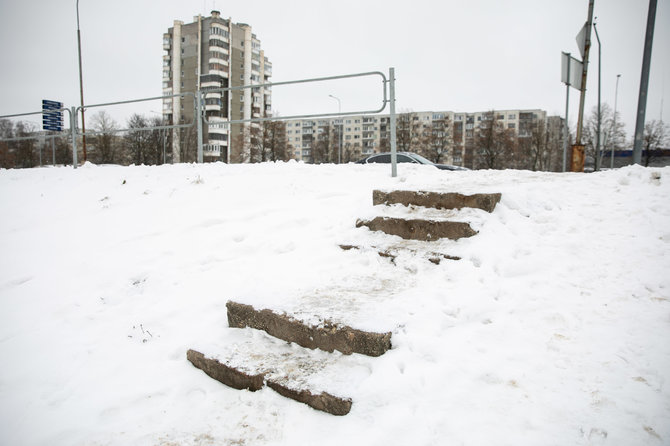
553 329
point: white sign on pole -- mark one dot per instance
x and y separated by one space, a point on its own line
571 71
581 39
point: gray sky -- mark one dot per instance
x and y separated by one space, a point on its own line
470 55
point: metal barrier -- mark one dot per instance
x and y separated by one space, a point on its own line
387 98
52 137
199 116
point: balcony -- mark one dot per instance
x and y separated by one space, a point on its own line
211 150
214 48
219 73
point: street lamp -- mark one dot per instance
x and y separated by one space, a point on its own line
339 110
81 86
597 160
616 94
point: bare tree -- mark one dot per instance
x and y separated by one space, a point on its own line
493 144
105 143
407 132
437 140
655 137
323 149
533 150
137 139
351 152
268 142
25 153
7 158
612 133
275 144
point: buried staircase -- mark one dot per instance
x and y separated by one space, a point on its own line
262 359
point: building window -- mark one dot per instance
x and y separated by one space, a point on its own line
511 116
511 125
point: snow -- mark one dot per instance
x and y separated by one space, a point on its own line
553 329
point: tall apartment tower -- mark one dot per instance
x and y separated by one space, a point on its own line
208 54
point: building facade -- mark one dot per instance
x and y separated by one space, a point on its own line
362 135
209 54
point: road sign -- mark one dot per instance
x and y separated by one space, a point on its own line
581 39
52 115
51 105
571 71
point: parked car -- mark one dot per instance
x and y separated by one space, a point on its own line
405 157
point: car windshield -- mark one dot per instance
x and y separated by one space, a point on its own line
421 159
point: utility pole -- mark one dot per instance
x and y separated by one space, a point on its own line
614 135
584 41
81 87
644 84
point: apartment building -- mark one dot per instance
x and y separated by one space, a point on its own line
367 134
206 55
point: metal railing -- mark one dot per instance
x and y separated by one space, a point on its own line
53 136
388 95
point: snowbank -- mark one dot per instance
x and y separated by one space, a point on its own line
552 329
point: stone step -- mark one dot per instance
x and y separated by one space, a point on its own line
327 335
247 368
450 200
418 229
393 253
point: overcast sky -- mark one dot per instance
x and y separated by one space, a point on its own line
467 55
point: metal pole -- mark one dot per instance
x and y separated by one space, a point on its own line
164 141
585 64
73 133
81 86
394 157
198 108
566 130
597 160
644 84
614 136
339 110
53 151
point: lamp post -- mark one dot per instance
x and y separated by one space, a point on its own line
339 110
81 86
616 94
597 160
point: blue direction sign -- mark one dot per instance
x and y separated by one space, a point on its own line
52 115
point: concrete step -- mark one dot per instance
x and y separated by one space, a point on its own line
419 229
392 253
254 365
450 200
327 335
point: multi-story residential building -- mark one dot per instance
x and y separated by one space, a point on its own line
363 134
209 54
